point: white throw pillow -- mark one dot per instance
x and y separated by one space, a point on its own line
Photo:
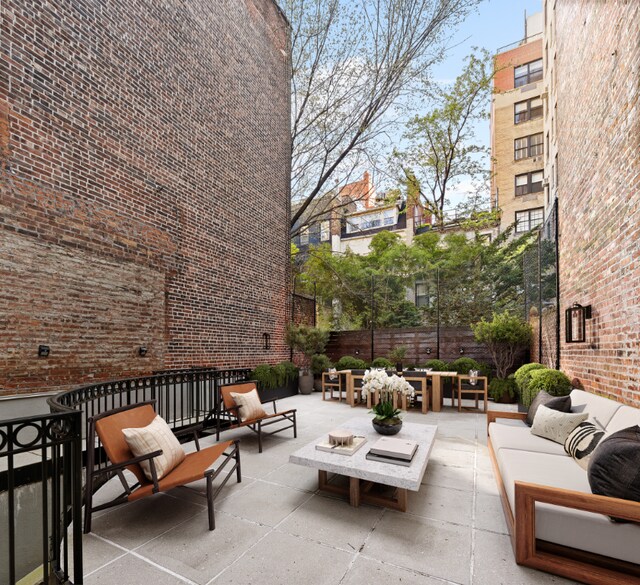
249 405
554 425
155 436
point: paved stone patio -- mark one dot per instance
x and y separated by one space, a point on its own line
275 528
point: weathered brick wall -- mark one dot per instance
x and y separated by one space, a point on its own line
598 57
145 187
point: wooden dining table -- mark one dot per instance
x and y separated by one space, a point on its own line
436 388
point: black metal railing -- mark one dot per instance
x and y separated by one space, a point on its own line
41 462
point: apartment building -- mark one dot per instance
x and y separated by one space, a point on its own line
517 130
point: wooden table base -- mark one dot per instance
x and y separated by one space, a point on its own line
359 491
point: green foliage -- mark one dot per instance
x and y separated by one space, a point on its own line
397 354
381 362
347 362
442 146
402 314
523 375
499 386
272 377
463 364
308 340
385 410
554 382
504 336
319 363
436 365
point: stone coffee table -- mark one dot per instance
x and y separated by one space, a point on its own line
364 474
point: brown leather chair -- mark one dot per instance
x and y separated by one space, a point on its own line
108 426
229 414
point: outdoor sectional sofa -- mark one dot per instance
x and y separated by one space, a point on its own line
556 523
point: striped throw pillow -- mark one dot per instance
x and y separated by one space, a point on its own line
581 443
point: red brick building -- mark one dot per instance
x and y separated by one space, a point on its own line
133 142
592 51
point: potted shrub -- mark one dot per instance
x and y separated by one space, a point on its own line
276 381
381 362
523 376
436 365
347 362
320 362
505 335
308 341
396 355
554 382
503 390
464 365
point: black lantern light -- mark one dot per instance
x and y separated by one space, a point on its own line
575 323
142 351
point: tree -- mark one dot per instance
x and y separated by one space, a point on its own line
441 147
352 62
504 336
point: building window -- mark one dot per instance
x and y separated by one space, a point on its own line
527 110
527 73
527 146
423 298
325 234
372 220
529 183
528 219
304 236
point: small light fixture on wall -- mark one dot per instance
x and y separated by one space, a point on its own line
357 352
575 323
43 351
428 350
462 351
266 341
142 350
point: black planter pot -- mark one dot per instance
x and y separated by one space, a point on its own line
291 389
386 428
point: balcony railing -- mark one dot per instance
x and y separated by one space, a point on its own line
41 499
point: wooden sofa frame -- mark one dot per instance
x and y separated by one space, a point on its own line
553 558
229 412
181 475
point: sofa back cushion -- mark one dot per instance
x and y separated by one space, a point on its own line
625 417
559 403
600 409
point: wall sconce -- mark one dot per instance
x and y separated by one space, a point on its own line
575 323
462 351
266 341
357 352
428 350
43 351
142 350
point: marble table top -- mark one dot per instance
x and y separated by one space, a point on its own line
357 465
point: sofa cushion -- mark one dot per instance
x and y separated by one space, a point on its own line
600 409
614 469
625 417
560 403
582 442
555 425
575 528
511 437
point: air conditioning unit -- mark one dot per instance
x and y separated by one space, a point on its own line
545 182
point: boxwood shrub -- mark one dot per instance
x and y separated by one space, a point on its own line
553 381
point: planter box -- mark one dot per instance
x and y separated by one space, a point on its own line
291 389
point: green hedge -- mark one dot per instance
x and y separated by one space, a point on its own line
436 365
347 362
523 375
498 386
464 364
381 362
552 381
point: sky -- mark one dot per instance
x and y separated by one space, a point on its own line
495 24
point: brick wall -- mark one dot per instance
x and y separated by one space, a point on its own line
145 187
506 61
598 66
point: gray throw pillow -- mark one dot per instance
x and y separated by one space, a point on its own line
614 469
582 442
559 403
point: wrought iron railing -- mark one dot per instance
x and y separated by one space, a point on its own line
40 481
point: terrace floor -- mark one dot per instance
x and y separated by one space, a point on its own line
275 528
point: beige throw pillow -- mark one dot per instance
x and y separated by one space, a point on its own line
154 437
249 406
554 425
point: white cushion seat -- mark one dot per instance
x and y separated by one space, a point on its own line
511 437
575 528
